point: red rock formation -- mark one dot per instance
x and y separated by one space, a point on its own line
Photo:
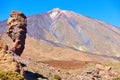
17 31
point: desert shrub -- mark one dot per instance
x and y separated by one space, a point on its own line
8 75
67 73
57 77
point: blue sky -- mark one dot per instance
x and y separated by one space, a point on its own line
105 10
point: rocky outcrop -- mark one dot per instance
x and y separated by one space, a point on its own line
17 31
7 61
100 72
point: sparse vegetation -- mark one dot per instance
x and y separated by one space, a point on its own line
68 73
57 77
50 74
9 75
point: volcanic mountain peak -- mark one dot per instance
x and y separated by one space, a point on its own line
55 13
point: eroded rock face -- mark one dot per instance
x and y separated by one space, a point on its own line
7 61
17 31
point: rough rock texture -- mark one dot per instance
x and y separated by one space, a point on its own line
7 61
100 72
17 31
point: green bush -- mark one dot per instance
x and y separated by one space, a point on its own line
57 77
8 75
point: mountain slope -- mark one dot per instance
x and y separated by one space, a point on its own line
3 27
66 28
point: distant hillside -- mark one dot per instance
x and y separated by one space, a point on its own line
3 26
67 28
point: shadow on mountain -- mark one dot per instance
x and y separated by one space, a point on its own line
33 76
55 44
106 56
61 45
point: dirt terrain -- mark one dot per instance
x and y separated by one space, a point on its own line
47 61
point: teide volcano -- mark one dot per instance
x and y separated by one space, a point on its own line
67 28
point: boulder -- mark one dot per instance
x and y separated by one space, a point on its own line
99 73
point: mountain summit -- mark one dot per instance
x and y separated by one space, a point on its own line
68 29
